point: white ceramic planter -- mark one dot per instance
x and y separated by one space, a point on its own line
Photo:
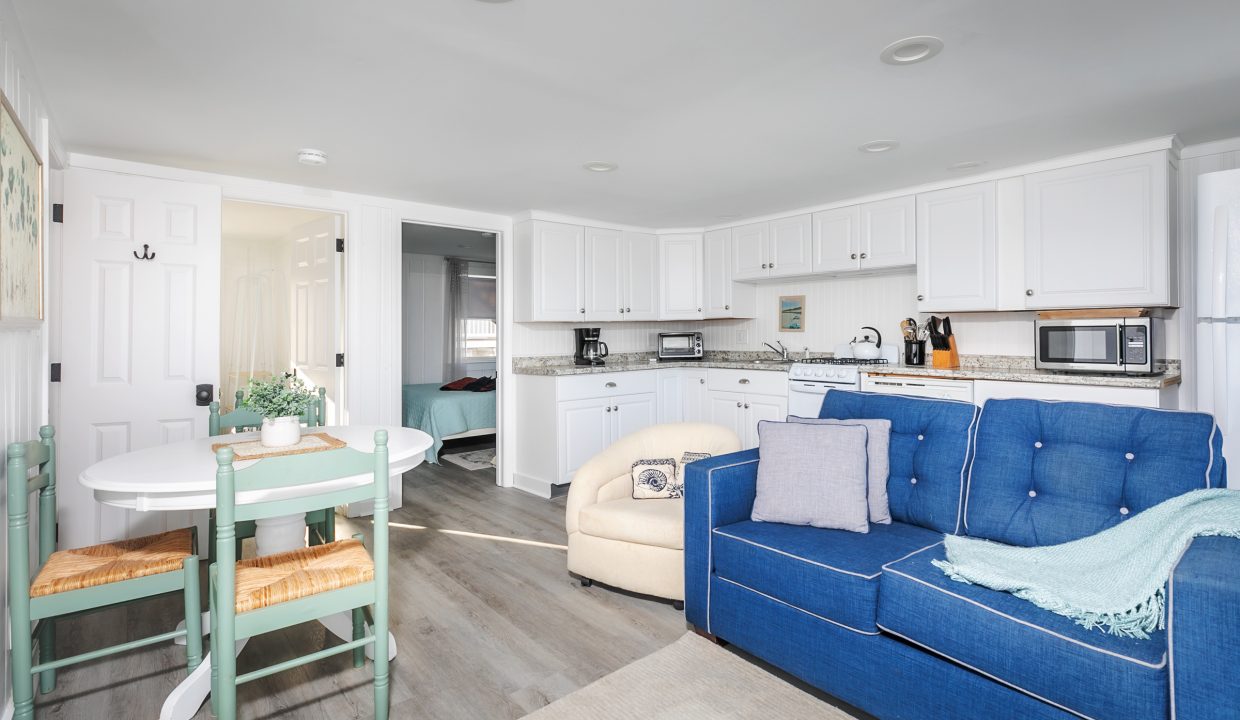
281 431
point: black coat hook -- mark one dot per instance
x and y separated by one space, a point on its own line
146 253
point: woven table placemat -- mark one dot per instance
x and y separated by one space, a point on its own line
255 450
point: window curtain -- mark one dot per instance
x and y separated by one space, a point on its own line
470 296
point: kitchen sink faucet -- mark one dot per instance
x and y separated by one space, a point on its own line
782 352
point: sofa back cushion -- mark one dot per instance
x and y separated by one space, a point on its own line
1049 472
930 446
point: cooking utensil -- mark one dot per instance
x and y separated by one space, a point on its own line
908 326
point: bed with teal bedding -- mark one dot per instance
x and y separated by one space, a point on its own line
444 413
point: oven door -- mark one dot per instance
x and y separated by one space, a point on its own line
1089 345
805 398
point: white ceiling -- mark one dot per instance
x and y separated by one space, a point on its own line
246 220
448 242
711 107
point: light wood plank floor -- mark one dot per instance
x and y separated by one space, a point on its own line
488 622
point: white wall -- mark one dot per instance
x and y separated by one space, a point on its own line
424 288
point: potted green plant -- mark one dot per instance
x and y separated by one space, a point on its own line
281 400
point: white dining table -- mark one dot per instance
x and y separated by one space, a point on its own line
181 476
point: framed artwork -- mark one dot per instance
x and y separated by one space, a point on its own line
21 221
792 313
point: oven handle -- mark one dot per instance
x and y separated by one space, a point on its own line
1119 344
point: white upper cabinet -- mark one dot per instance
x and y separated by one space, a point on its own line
789 243
749 251
1099 234
640 276
837 239
604 274
680 271
549 271
722 297
956 239
888 233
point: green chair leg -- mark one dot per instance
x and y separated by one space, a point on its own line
193 614
359 632
213 645
47 653
329 525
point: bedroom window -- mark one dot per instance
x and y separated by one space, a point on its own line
480 334
473 333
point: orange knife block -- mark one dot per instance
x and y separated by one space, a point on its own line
946 359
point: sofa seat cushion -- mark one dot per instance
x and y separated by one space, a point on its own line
1087 672
659 522
829 573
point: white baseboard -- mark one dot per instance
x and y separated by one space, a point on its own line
534 486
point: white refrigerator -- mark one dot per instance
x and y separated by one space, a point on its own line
1218 308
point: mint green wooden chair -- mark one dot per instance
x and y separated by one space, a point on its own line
322 522
77 581
267 593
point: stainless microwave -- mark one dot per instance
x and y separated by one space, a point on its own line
1100 345
680 346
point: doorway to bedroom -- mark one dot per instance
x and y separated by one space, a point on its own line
450 343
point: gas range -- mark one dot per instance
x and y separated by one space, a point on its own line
836 371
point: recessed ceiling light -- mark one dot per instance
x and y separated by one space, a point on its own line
911 50
600 166
310 156
966 165
879 146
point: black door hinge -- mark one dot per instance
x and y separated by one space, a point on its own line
58 212
55 372
339 244
339 359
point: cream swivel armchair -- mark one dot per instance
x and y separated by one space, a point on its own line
636 545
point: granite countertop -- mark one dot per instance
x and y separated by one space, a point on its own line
973 367
626 362
1020 373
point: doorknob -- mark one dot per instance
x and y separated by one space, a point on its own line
616 408
203 394
738 404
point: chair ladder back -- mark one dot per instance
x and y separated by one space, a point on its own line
22 456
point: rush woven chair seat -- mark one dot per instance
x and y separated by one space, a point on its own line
272 579
75 581
268 593
67 570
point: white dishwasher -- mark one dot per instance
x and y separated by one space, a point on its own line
940 388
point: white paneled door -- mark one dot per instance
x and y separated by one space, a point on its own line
141 279
315 288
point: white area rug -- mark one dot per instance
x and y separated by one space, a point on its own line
474 459
691 679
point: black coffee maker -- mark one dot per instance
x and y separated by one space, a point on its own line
590 350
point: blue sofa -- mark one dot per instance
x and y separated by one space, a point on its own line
868 619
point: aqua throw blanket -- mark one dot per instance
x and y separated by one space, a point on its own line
1115 580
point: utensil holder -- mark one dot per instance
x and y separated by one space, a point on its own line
915 353
946 359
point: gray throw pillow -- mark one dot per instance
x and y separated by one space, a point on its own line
812 475
878 448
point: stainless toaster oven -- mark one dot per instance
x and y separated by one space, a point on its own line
680 346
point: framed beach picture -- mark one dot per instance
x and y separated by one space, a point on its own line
791 313
21 221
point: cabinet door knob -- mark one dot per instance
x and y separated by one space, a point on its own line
607 409
746 406
620 310
763 266
616 408
738 403
772 266
701 381
583 311
743 381
921 297
727 307
699 309
863 256
1029 292
610 385
853 256
628 309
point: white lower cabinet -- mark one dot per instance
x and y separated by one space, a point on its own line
587 427
743 411
1165 398
682 395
